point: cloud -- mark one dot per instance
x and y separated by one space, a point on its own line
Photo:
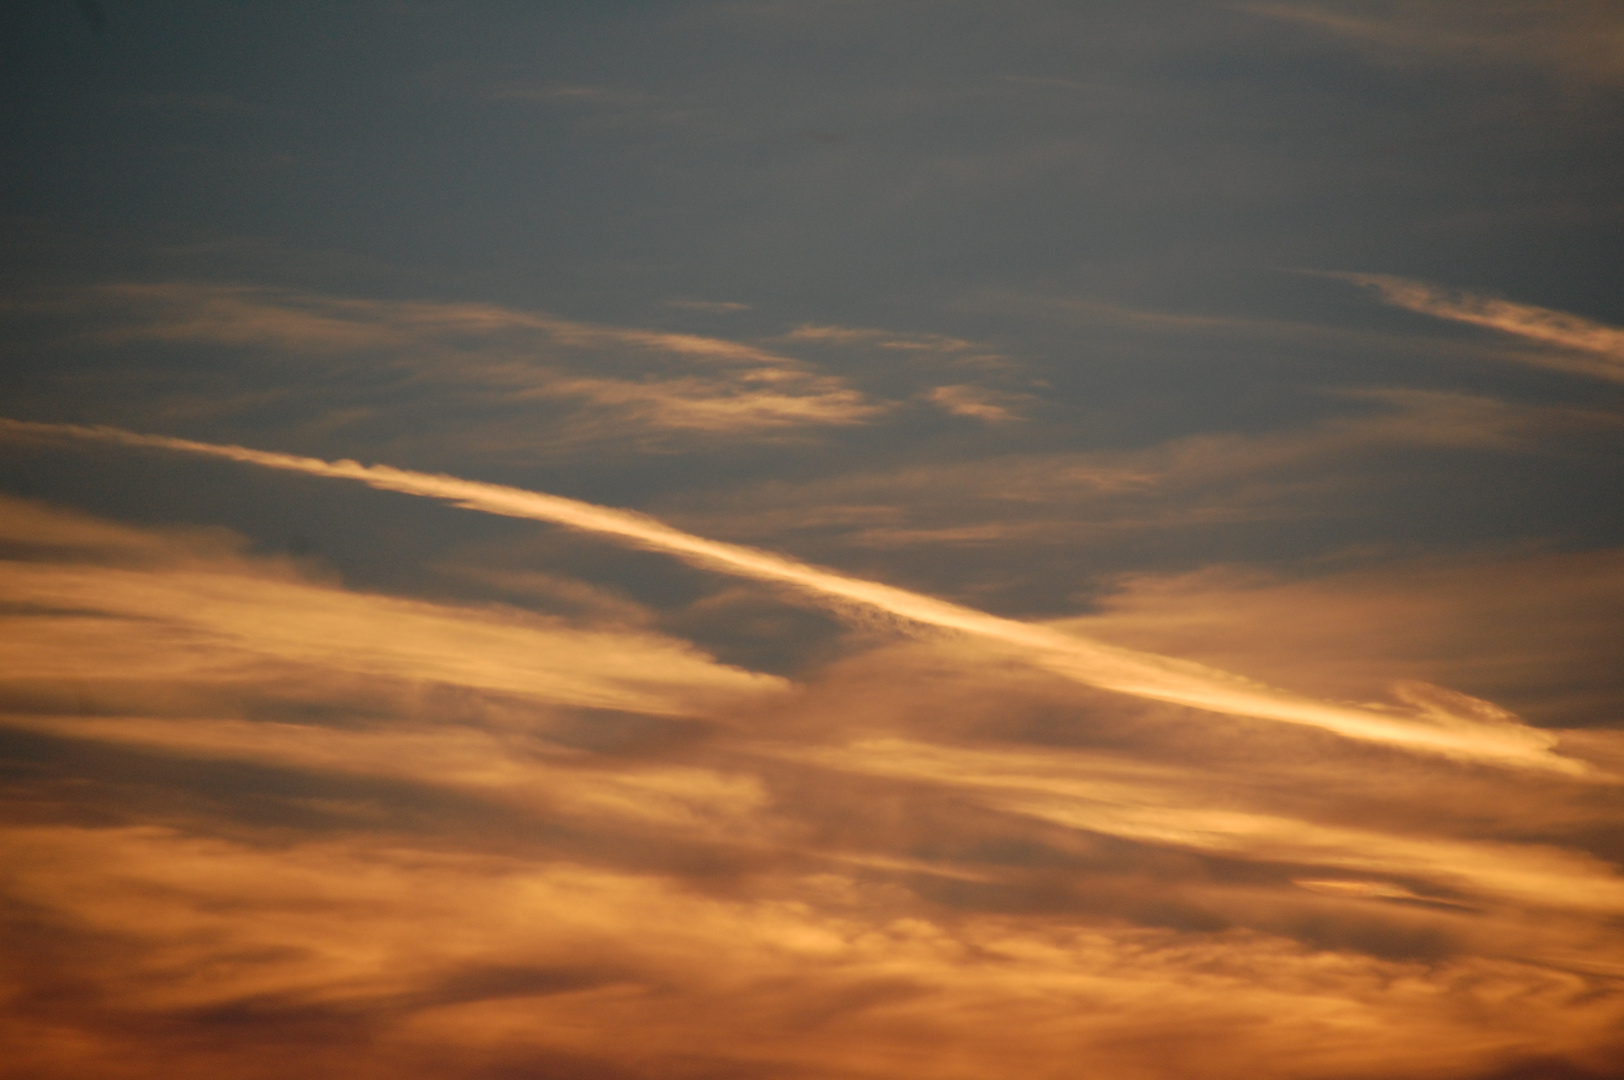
1092 663
571 94
1542 325
472 964
230 612
1135 803
1095 313
1363 890
1526 628
938 347
885 339
262 820
754 402
978 403
500 954
490 361
1182 488
713 307
1580 41
180 612
924 856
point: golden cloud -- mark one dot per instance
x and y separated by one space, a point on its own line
1584 346
926 858
623 380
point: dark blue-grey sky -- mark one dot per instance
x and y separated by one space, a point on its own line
1186 440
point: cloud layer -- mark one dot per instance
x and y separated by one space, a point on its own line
812 540
1158 678
920 858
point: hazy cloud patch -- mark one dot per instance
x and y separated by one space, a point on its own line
978 403
1579 41
497 367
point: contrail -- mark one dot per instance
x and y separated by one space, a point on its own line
1089 662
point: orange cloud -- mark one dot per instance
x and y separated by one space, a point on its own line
978 402
1089 662
248 958
626 377
900 865
1533 630
186 610
1140 803
296 622
1542 325
1194 482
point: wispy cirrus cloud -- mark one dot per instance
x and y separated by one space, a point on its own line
979 402
885 339
1529 629
709 307
206 615
608 382
1133 802
941 347
1574 334
1580 41
1199 481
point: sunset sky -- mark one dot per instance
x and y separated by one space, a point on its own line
812 540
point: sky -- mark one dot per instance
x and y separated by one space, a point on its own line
812 540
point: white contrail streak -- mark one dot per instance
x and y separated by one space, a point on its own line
1093 663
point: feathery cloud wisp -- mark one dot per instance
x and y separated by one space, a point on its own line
1539 324
618 380
1092 663
1576 41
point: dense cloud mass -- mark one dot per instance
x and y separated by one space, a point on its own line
812 539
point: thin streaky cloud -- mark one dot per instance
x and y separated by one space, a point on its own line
1539 324
885 339
238 315
1091 663
713 307
193 619
678 383
752 402
698 801
570 94
1155 805
1578 41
